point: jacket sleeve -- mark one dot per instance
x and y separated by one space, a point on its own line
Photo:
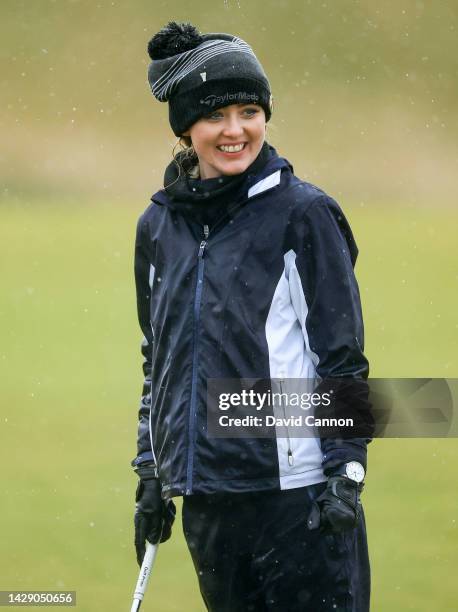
333 323
142 267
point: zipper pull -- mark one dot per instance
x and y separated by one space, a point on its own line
202 246
290 457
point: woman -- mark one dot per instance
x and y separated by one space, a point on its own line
243 271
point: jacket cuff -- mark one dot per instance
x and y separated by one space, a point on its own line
349 450
147 457
146 471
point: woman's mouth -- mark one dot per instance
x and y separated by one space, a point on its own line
232 150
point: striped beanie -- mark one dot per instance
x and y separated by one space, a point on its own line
197 74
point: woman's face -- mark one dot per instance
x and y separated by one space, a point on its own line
234 125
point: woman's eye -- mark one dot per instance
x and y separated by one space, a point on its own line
214 115
251 111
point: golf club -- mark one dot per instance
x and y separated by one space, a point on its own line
145 571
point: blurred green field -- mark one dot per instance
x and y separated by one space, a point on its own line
71 378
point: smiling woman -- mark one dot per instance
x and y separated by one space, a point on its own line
228 140
239 269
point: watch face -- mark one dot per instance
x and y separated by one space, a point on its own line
355 471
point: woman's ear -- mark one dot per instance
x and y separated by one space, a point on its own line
187 133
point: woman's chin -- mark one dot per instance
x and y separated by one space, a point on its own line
235 167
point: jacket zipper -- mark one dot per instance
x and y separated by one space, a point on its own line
192 411
290 452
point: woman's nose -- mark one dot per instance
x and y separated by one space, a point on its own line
232 127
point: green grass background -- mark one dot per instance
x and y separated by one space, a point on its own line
71 380
365 107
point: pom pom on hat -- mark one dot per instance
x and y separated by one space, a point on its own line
172 39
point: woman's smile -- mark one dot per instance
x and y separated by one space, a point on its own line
232 149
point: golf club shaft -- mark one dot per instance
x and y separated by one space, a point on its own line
143 577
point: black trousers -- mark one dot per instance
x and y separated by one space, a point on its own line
253 553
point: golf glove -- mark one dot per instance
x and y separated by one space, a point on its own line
338 508
154 516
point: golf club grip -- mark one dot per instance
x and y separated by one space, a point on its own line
143 577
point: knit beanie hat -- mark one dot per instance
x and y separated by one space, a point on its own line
199 73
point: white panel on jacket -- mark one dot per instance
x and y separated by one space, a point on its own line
290 357
152 270
267 183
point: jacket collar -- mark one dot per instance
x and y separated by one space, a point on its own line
265 180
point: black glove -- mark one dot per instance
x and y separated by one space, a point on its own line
154 516
338 508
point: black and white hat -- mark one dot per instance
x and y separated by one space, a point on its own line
197 74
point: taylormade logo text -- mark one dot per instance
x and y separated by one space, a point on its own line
241 96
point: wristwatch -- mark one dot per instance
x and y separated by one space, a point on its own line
353 470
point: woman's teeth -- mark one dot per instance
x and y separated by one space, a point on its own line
231 148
